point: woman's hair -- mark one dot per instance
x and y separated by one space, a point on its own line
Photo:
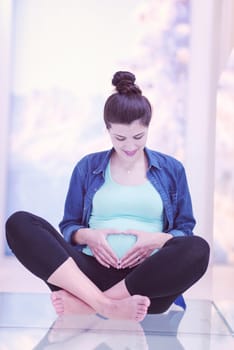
127 104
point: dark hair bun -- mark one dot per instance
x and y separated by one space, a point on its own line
125 83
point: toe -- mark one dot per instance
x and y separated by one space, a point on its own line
54 296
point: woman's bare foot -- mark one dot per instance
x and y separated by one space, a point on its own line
66 303
131 308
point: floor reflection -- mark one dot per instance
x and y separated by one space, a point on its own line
226 309
92 332
28 321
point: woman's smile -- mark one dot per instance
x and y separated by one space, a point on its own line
130 153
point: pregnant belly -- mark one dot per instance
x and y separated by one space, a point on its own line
121 243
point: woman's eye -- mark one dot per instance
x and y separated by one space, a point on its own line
120 139
124 138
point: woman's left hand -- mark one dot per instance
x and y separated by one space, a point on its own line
146 243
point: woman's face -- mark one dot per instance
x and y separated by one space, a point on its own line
128 140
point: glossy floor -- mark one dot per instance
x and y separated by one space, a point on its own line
28 321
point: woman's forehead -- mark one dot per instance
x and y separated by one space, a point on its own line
128 129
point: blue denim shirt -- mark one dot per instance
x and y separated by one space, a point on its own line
165 173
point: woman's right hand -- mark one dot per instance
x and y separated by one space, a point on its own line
96 241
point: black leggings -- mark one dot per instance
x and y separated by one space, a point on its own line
162 277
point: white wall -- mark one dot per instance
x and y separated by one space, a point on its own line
211 43
5 56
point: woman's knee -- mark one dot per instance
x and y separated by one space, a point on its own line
15 222
16 218
200 252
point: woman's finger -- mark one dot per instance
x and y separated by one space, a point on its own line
135 259
105 257
139 261
130 255
108 254
130 261
100 260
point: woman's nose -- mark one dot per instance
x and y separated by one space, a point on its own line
129 146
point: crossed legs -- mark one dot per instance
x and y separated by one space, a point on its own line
65 302
86 286
162 277
70 278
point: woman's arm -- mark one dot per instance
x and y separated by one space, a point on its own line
183 219
74 206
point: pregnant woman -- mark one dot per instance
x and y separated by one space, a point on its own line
128 247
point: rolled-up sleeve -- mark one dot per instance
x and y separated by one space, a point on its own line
74 203
184 221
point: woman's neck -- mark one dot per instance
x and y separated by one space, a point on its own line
129 172
131 164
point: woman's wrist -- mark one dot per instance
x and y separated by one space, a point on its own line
165 238
79 236
161 239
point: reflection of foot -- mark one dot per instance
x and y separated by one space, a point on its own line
123 340
131 308
92 332
127 326
66 303
123 334
67 326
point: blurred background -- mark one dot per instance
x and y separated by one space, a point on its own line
57 61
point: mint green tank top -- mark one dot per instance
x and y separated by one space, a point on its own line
121 207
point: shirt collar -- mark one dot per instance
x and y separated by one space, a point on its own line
151 156
103 164
153 159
